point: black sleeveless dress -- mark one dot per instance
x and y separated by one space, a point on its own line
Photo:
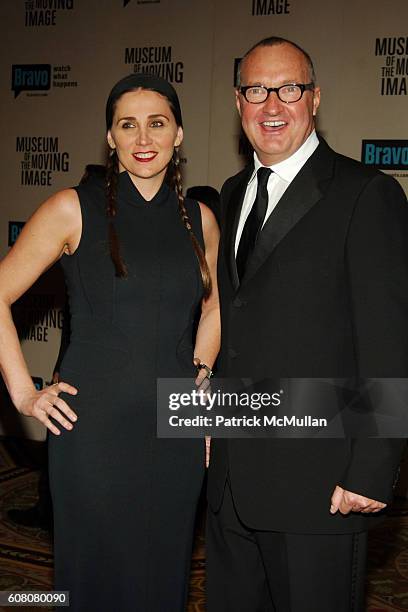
124 500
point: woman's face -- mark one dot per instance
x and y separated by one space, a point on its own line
144 134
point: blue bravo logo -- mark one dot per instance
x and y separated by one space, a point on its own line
30 77
15 228
385 154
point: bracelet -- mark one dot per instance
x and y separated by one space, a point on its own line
204 366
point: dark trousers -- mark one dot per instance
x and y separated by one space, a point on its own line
266 571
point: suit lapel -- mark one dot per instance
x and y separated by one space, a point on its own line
302 194
233 212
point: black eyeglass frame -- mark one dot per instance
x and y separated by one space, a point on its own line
302 86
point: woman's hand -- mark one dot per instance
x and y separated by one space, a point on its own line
202 375
54 229
207 450
203 383
202 380
46 403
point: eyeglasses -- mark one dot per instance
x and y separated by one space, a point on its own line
289 93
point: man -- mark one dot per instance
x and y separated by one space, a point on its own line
313 275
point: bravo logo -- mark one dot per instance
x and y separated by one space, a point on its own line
30 77
14 230
385 154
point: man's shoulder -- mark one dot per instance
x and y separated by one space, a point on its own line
363 183
367 178
234 180
355 167
351 170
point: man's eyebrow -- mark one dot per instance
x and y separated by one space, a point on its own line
261 84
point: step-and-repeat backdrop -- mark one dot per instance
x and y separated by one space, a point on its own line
59 59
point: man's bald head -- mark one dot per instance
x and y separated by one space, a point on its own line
271 42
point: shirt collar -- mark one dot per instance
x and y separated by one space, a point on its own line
288 168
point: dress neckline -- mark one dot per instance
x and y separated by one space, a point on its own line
131 195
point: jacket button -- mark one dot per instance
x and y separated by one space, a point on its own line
238 302
232 353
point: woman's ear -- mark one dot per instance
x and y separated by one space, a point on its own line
110 140
179 137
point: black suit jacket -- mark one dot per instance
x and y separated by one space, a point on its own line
325 295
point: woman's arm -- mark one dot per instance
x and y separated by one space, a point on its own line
208 335
54 229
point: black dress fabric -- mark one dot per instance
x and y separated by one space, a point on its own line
124 500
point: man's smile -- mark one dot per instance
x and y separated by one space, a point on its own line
272 126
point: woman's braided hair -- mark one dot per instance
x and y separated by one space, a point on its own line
112 174
173 174
175 181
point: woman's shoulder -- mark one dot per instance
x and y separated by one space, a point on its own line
208 219
64 202
92 192
202 217
199 209
211 231
59 214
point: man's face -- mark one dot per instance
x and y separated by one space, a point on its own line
276 129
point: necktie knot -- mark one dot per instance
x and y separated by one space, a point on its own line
263 175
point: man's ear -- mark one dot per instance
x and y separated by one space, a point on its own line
238 101
316 100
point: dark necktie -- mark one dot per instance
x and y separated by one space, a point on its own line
253 224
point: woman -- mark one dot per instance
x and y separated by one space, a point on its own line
133 255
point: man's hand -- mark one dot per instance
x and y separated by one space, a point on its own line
346 501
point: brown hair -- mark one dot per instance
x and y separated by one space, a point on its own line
173 174
174 179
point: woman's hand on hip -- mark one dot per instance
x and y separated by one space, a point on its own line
45 404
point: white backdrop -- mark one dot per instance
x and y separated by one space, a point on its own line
67 54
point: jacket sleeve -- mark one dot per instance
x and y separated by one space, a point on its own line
377 268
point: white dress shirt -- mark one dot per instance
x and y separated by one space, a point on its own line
283 174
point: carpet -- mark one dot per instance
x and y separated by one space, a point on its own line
26 553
